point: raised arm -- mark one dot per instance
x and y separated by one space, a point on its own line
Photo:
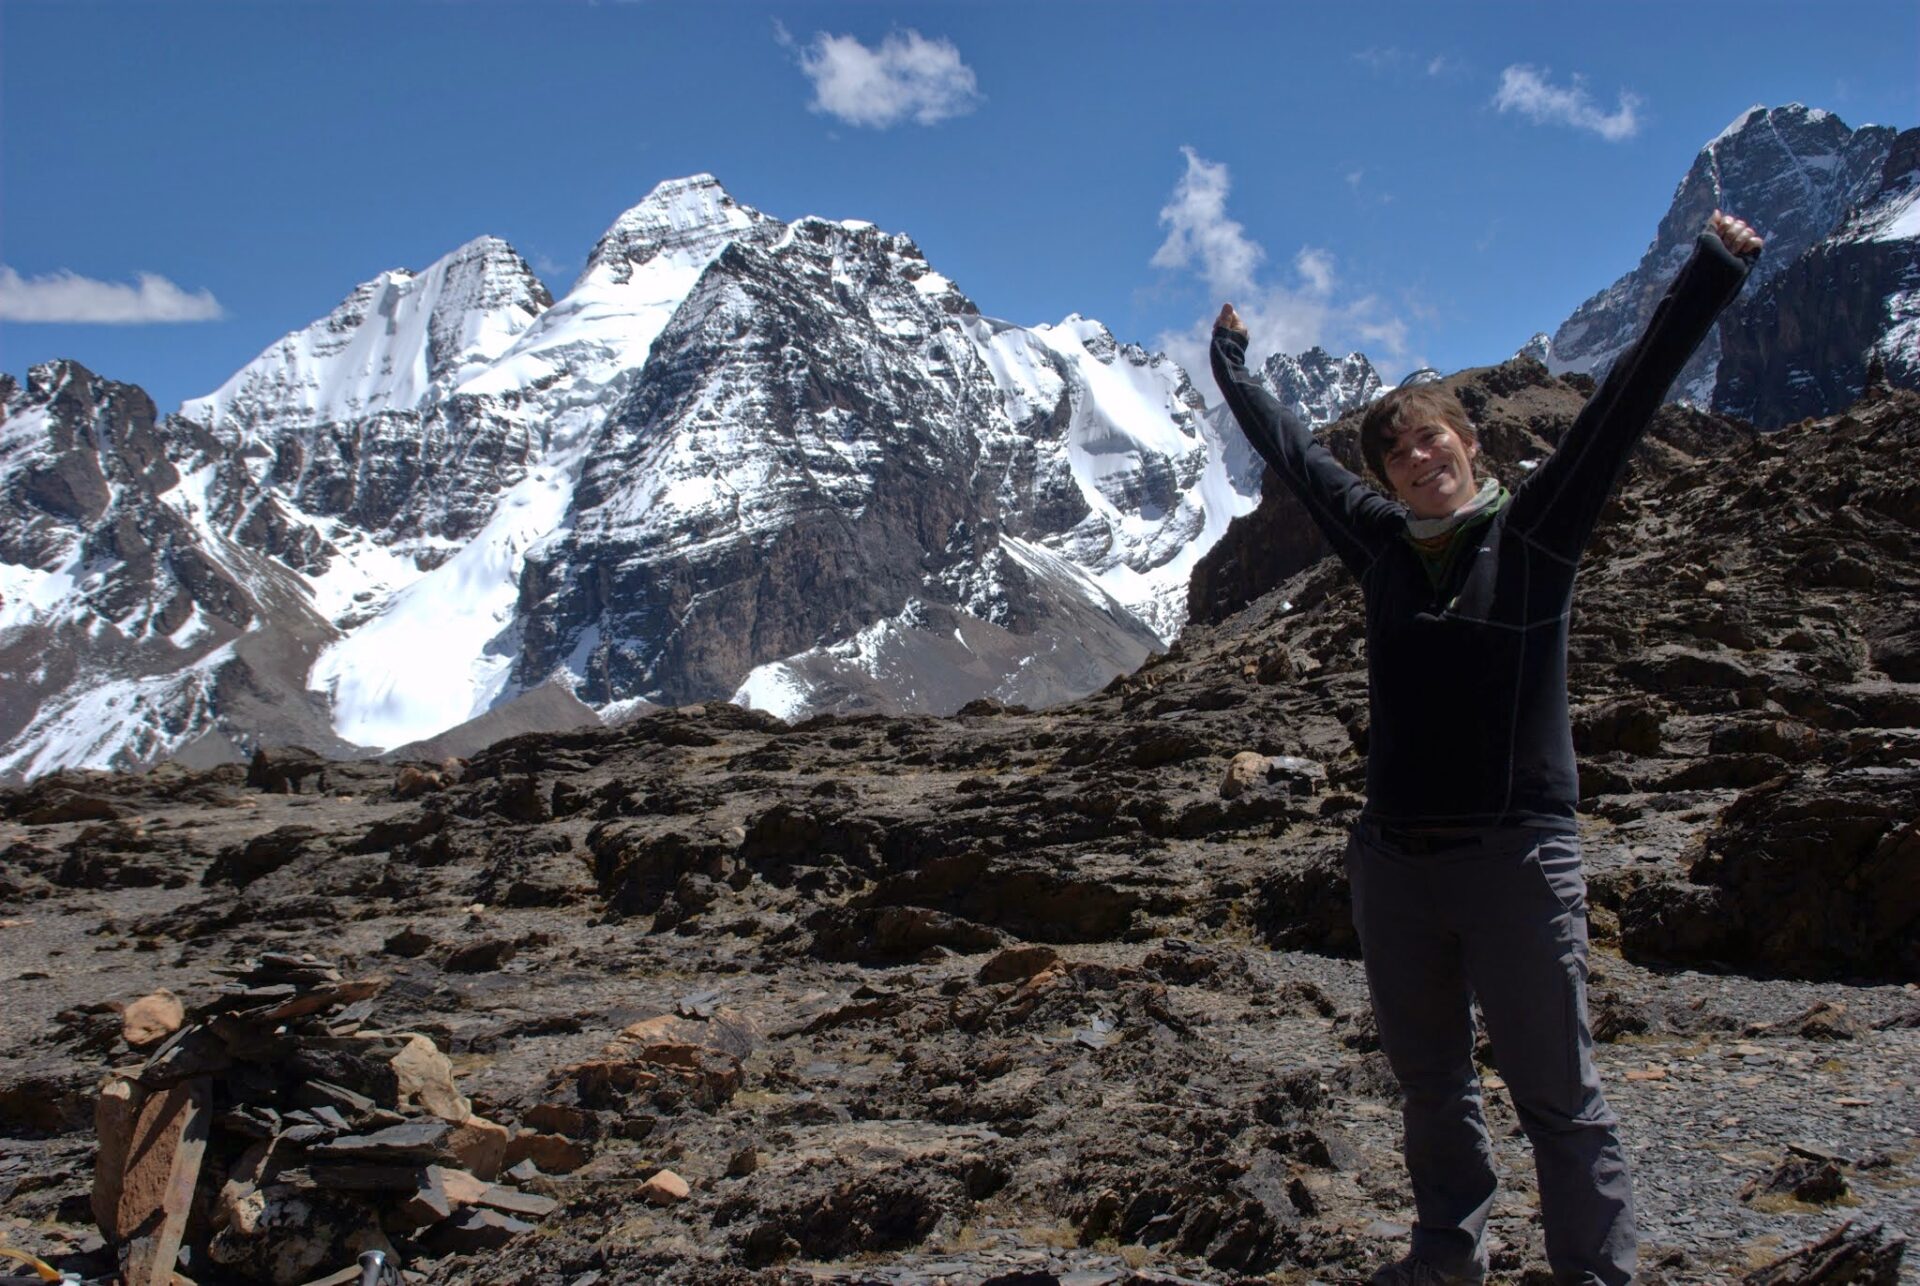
1356 519
1558 506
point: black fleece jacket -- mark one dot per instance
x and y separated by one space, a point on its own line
1468 681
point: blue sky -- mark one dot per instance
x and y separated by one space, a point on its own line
1430 183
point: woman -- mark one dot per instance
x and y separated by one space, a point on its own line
1465 863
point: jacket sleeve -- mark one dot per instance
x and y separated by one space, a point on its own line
1356 519
1556 509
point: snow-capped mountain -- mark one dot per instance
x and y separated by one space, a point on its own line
788 463
1319 387
784 462
1793 172
128 630
399 343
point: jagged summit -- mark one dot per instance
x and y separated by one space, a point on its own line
687 219
1739 123
1320 387
1759 116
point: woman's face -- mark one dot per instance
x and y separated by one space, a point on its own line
1430 468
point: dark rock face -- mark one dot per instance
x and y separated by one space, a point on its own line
1801 345
1793 172
878 502
1813 874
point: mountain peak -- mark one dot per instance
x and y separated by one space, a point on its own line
393 344
1792 171
687 218
1319 387
1793 128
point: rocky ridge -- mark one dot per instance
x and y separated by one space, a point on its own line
1319 387
1068 995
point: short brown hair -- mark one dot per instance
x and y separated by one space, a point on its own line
1403 408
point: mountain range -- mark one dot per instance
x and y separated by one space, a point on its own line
784 463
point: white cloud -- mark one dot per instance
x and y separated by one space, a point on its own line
906 76
1316 269
1438 64
1198 229
1282 316
68 297
1525 90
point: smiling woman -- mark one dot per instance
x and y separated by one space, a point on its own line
1419 441
1465 864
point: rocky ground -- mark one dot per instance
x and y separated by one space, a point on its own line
1032 996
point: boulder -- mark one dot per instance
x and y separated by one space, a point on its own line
243 863
284 770
1017 964
424 1076
665 1188
1247 770
1632 724
479 1145
152 1018
895 934
553 1153
1814 874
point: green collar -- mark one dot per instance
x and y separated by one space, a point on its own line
1438 557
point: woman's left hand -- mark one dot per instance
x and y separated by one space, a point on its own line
1735 234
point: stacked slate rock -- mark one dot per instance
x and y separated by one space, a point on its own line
276 1135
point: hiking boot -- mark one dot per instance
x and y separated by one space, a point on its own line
1418 1272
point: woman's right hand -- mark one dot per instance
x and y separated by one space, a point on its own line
1230 320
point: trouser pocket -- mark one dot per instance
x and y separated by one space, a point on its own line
1555 861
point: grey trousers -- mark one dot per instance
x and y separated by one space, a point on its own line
1497 914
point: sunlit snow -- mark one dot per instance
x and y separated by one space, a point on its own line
105 722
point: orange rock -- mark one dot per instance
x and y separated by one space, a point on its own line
480 1146
561 1118
462 1188
554 1153
665 1189
426 1077
158 1136
660 1029
1046 978
410 782
1017 964
151 1019
113 1119
1247 769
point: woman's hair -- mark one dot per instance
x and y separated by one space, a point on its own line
1405 407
